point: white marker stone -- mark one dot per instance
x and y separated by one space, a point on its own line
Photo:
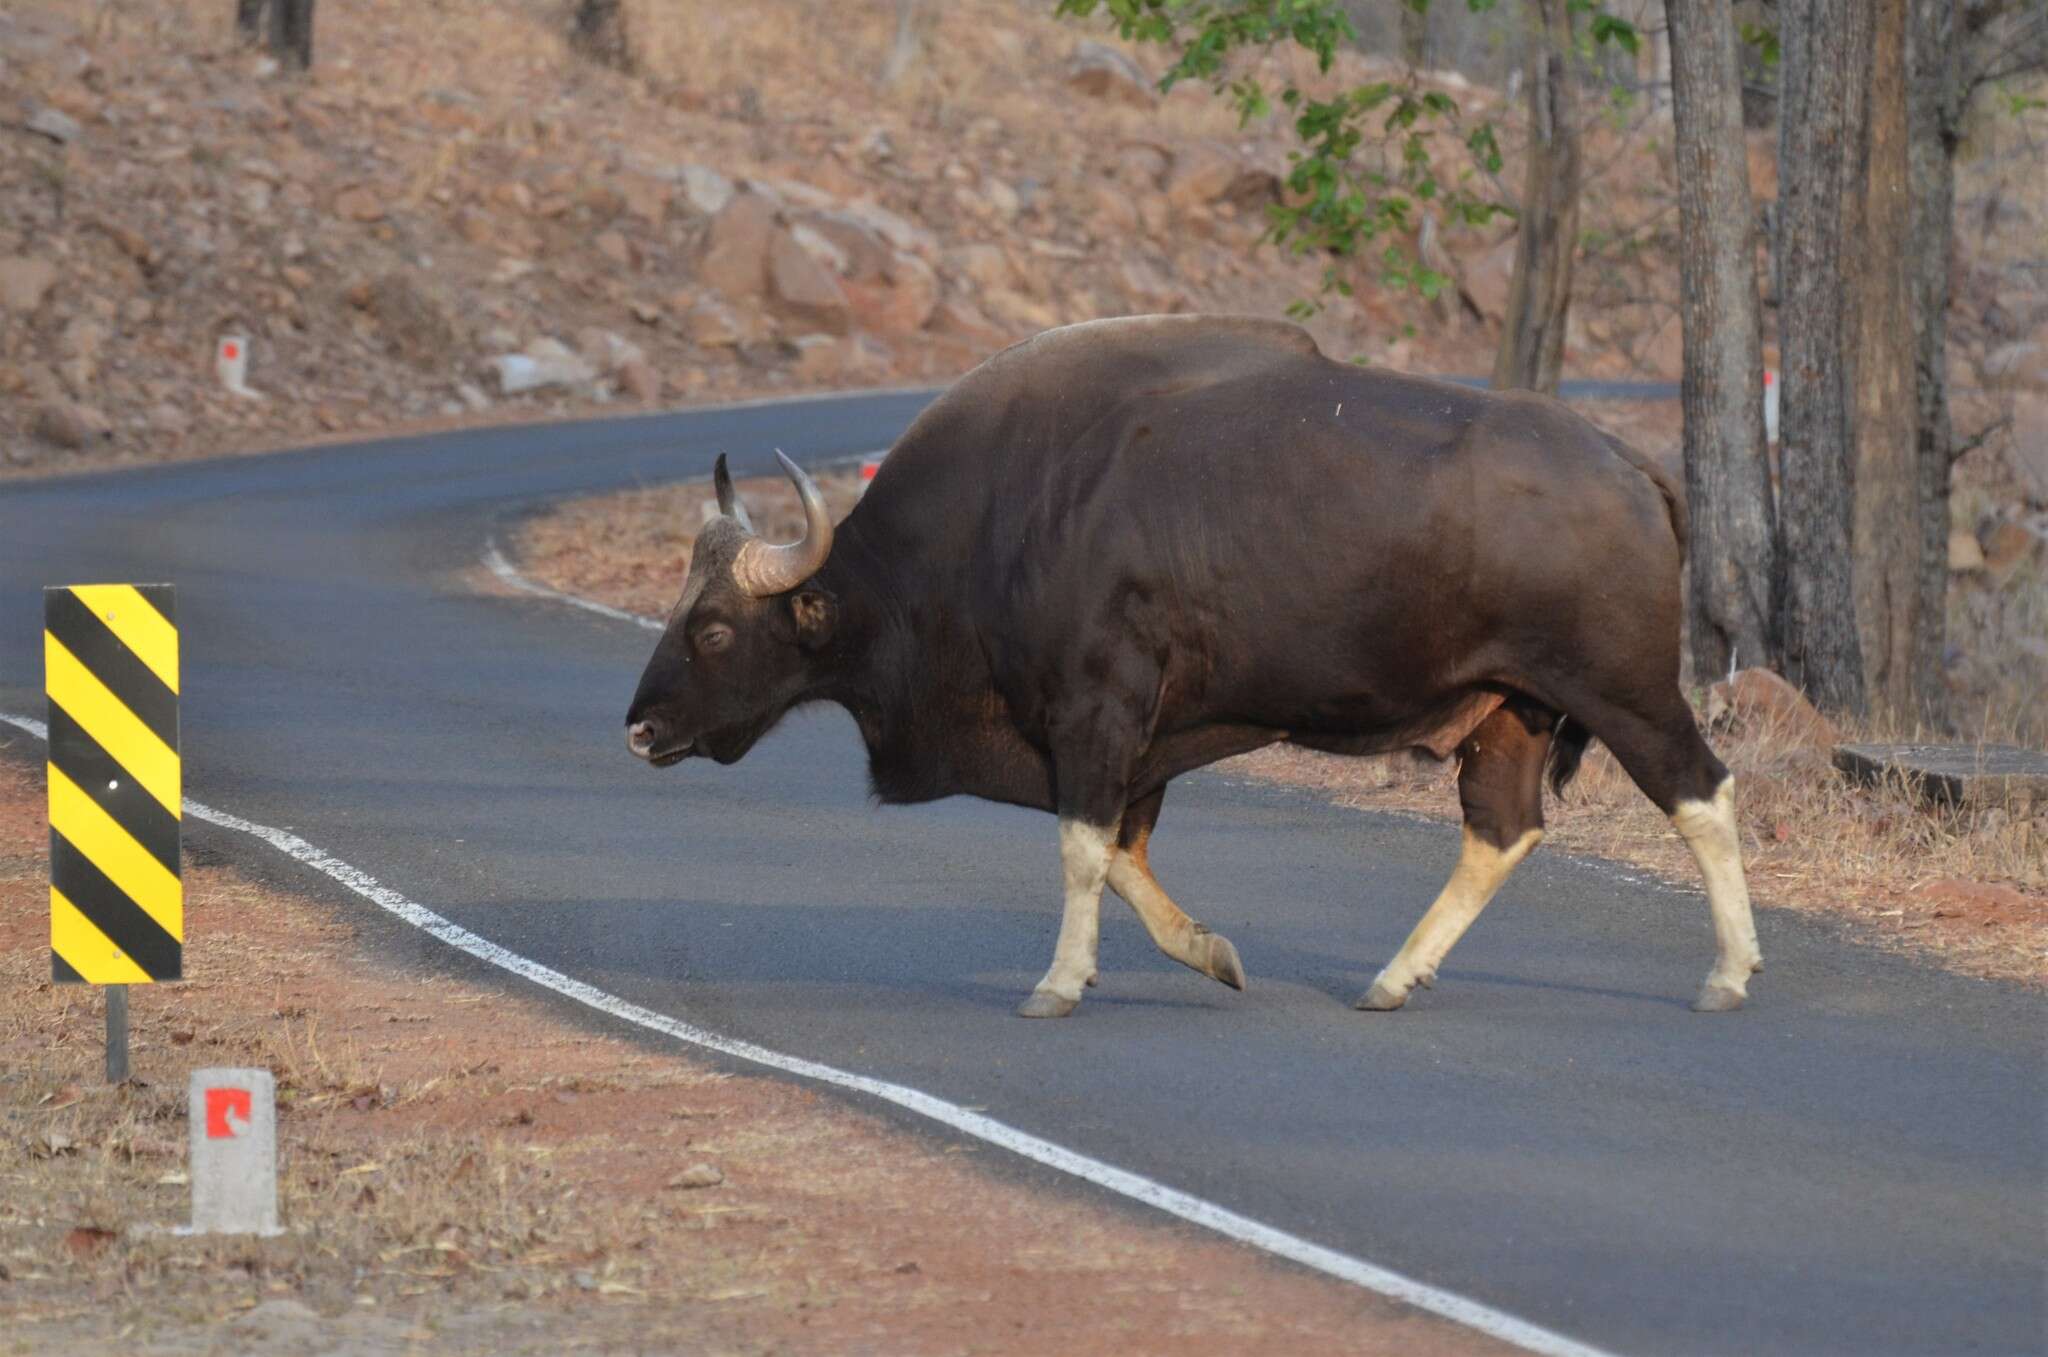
234 1152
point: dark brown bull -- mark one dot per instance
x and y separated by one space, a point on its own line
1126 549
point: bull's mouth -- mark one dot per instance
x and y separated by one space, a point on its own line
670 757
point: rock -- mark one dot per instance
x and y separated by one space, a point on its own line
711 325
70 425
24 282
735 259
876 148
821 358
1954 897
638 379
2026 447
472 397
705 188
1207 173
1484 281
358 203
546 363
864 252
1102 72
698 1175
416 324
985 266
2023 364
615 248
606 351
803 289
899 232
1767 704
55 124
1002 199
1965 553
1142 164
901 301
2009 547
1114 210
821 248
1155 214
961 320
1151 288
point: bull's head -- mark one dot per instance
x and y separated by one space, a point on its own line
743 643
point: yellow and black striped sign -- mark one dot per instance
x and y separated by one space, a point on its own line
110 665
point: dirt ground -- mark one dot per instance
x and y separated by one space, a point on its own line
464 1171
1969 889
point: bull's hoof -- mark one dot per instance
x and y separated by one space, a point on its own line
1094 980
1381 998
1223 962
1045 1004
1717 997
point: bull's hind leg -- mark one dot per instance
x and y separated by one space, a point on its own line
1173 932
1674 768
1500 786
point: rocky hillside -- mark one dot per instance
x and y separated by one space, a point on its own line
454 216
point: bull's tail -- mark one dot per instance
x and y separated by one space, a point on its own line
1673 493
1567 747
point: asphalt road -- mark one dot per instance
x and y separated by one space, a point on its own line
1853 1164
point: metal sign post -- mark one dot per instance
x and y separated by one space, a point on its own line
117 903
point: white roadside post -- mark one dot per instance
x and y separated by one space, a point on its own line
231 364
233 1114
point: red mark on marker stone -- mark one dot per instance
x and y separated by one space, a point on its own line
219 1103
229 350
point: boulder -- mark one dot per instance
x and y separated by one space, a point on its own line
70 425
899 302
803 289
1485 278
1207 173
735 259
961 320
2026 447
1142 164
546 363
1102 72
861 248
639 380
358 203
899 232
2007 549
1760 702
712 325
705 189
1965 552
55 124
415 324
985 266
607 351
24 282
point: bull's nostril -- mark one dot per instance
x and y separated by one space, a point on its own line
640 737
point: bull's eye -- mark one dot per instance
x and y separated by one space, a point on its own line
714 638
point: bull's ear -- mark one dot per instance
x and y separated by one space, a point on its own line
729 502
815 615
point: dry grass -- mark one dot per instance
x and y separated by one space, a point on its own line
461 1171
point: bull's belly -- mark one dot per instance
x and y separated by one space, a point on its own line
1371 726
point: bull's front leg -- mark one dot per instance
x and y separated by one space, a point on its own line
1085 851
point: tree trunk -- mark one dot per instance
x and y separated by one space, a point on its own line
1825 78
291 32
249 20
1414 36
1540 292
1935 95
1731 564
599 32
1887 529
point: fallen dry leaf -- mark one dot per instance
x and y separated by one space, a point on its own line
88 1241
56 1101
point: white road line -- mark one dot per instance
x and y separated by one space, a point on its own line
1342 1266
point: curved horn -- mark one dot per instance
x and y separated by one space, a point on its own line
762 569
729 502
